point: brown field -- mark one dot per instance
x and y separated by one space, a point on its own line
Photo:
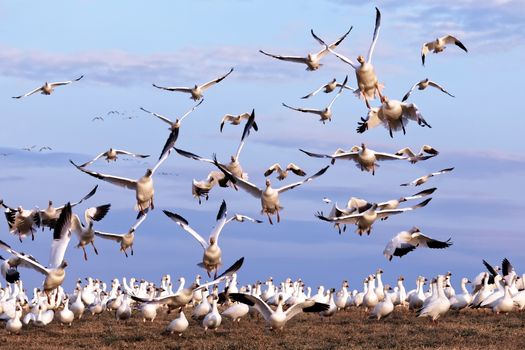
472 329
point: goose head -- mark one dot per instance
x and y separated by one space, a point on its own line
63 265
361 59
149 172
268 183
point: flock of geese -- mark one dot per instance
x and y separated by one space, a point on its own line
277 304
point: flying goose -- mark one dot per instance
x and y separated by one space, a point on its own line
86 234
143 186
184 296
284 173
111 155
422 85
393 115
55 273
328 88
276 319
49 216
421 180
22 222
236 120
326 113
212 257
438 45
367 83
366 219
197 90
269 196
365 158
126 239
406 241
425 153
48 88
312 59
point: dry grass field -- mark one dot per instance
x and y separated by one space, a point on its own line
472 329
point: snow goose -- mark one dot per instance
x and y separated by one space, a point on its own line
112 155
203 308
236 120
86 233
326 113
278 318
213 319
236 312
438 45
332 307
14 324
78 307
126 240
341 297
48 88
312 59
179 324
269 197
483 292
393 115
123 312
282 174
490 300
196 91
421 180
422 85
394 203
437 306
425 153
384 308
49 216
461 301
55 273
406 241
366 219
66 316
365 158
416 300
367 83
184 296
380 289
44 316
328 88
504 304
143 186
370 298
212 257
22 221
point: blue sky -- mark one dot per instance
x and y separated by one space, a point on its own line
122 50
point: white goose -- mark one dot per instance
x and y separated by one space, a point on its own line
312 59
328 88
112 155
48 88
283 174
196 91
236 120
406 241
421 180
22 222
14 324
438 45
422 85
463 300
179 324
86 233
384 308
438 305
213 319
126 240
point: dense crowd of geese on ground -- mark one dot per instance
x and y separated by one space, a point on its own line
51 302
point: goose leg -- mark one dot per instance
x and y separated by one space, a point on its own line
131 250
269 218
278 217
126 254
85 254
94 248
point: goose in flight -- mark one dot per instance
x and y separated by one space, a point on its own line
269 197
185 295
312 60
111 155
328 88
438 45
406 241
126 239
86 233
366 219
22 221
49 216
393 115
143 186
197 90
212 258
48 88
422 85
55 273
326 113
425 153
283 174
45 148
365 158
237 119
367 83
276 319
421 180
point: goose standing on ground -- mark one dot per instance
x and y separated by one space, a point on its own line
421 180
86 234
393 115
461 301
384 308
143 186
406 241
55 273
237 119
213 319
438 45
48 88
197 90
212 257
126 239
179 324
14 324
422 85
111 155
328 88
367 83
437 306
282 174
312 59
278 318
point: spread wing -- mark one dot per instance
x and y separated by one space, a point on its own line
60 83
215 81
255 302
221 221
308 179
297 59
115 180
161 117
61 237
374 38
341 57
30 92
26 260
182 222
325 50
174 88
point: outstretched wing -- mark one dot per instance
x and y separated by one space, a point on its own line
182 222
374 38
254 301
308 179
115 180
26 260
215 81
61 237
297 59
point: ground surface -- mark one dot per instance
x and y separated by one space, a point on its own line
350 329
